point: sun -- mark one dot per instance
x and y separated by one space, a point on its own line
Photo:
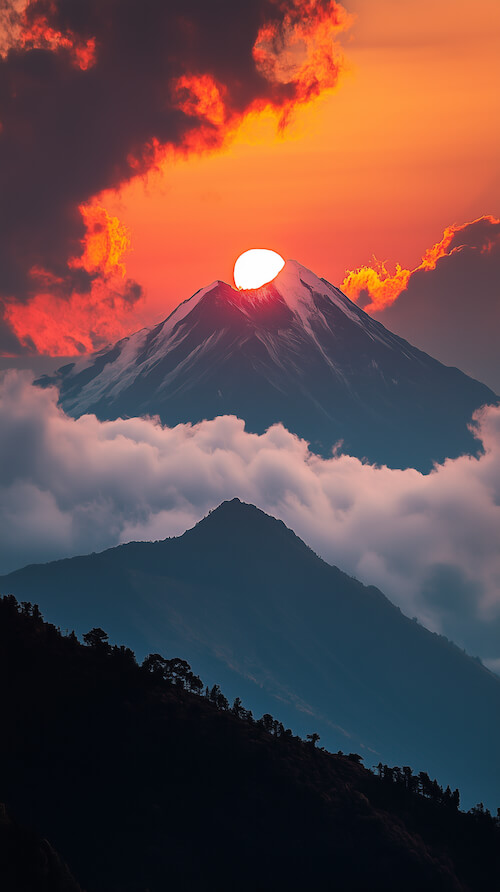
257 267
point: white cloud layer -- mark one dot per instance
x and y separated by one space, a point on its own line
430 542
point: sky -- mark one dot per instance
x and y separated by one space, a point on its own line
358 140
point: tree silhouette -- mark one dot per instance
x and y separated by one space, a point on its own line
97 638
237 707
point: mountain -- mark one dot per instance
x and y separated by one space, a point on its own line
143 785
251 607
296 351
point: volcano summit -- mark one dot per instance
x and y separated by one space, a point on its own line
295 351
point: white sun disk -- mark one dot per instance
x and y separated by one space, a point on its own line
257 267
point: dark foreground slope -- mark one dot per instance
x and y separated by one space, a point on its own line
296 351
144 786
252 608
28 863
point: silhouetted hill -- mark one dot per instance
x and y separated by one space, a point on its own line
142 785
252 608
29 863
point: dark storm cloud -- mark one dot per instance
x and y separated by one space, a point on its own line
452 311
87 90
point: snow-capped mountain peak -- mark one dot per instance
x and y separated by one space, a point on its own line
295 351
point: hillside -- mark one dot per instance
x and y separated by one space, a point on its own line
141 784
28 863
251 607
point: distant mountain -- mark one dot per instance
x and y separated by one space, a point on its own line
251 607
145 786
296 351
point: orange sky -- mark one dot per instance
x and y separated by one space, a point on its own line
408 144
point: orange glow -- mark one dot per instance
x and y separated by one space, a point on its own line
60 325
376 167
432 255
302 50
64 327
409 142
200 97
384 288
105 243
300 53
36 33
377 283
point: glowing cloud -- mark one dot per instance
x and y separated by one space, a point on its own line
376 288
99 307
449 305
376 284
300 51
257 267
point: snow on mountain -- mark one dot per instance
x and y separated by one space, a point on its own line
295 351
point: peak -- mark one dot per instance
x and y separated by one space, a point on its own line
235 508
239 530
241 518
295 286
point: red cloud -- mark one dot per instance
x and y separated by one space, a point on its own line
94 94
58 323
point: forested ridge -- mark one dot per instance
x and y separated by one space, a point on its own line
252 608
144 779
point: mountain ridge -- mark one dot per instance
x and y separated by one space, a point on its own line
253 608
295 351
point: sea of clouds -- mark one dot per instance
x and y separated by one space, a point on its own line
430 542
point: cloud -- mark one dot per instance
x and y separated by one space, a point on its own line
94 94
449 305
430 542
58 323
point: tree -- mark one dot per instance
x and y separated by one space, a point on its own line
217 697
124 655
425 784
237 708
154 664
355 757
313 738
194 683
177 671
267 722
409 780
96 638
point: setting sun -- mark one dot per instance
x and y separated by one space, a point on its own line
257 267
